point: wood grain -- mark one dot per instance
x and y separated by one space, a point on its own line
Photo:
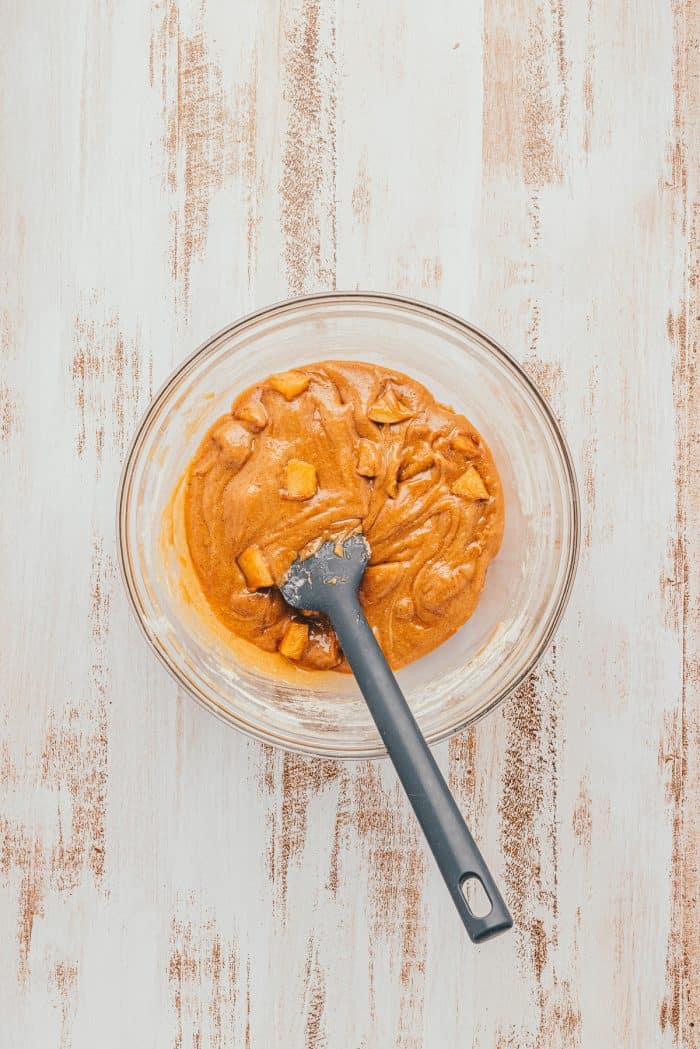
171 165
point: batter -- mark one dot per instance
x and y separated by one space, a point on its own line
322 452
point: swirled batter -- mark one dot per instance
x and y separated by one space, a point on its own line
322 452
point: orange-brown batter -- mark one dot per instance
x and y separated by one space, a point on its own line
319 453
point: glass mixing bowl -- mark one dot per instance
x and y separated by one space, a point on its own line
527 585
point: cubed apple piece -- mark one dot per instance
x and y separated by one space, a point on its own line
405 608
380 580
367 459
255 568
300 479
416 461
322 651
235 442
253 413
470 485
294 641
389 409
289 384
462 442
441 583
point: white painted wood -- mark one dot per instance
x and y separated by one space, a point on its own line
164 881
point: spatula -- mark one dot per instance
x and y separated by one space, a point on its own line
328 582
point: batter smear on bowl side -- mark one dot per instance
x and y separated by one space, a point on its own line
323 452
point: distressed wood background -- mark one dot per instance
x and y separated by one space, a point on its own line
169 166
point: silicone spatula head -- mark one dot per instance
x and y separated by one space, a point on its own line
319 582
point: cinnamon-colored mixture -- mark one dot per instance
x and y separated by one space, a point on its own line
319 453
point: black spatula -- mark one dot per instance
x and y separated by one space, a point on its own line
328 582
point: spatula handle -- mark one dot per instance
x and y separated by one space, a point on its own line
446 832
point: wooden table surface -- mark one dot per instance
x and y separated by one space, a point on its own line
167 167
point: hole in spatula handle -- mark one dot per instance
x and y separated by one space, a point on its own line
478 900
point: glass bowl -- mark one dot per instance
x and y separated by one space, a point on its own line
527 586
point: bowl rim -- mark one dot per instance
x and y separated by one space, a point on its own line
208 346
